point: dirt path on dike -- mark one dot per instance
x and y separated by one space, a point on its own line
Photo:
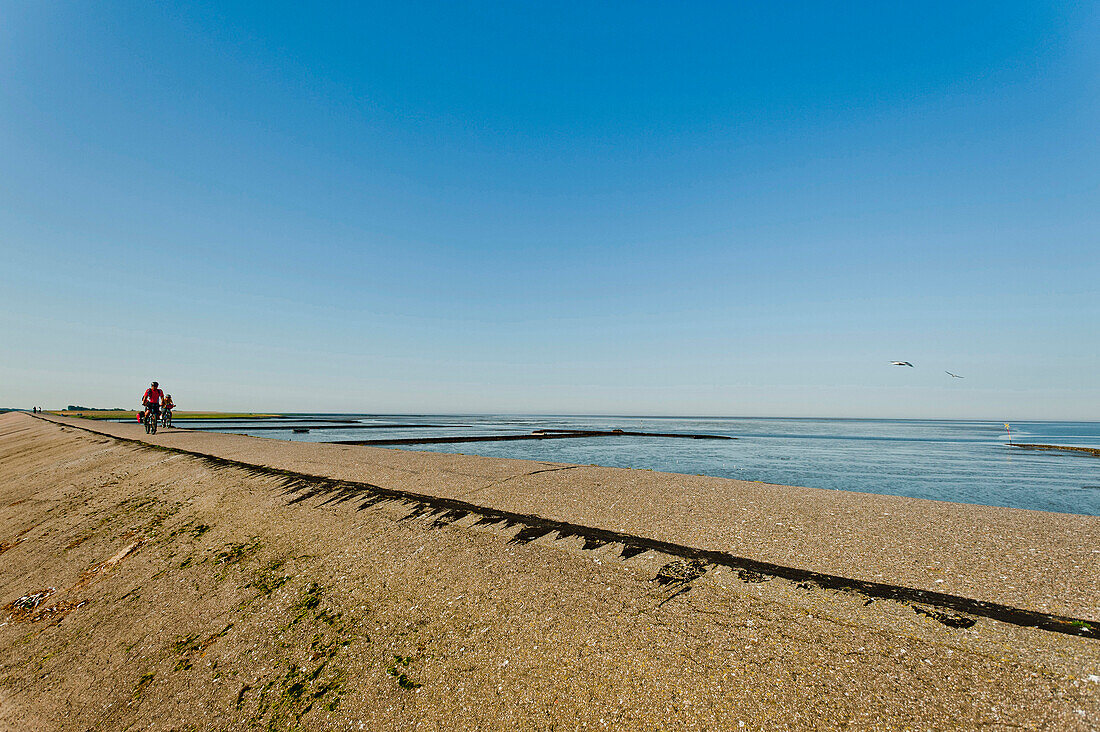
144 589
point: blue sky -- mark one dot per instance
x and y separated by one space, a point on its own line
629 208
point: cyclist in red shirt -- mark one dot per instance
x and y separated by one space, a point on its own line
151 400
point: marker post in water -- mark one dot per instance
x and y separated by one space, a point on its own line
1009 430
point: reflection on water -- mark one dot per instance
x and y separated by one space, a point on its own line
965 461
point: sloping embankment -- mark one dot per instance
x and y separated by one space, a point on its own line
1032 560
146 585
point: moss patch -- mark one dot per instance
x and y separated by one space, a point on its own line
397 669
234 553
270 578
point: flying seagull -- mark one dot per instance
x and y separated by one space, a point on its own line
954 375
901 363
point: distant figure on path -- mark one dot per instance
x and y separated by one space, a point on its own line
151 400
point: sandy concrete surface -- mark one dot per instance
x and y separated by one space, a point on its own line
1035 560
150 590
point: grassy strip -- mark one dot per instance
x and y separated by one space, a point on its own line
129 414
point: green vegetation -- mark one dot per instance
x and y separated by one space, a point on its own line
234 553
299 690
176 415
402 678
310 601
283 700
186 644
269 578
143 682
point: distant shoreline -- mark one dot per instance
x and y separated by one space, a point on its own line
176 415
213 414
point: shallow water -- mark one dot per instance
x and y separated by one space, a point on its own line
964 461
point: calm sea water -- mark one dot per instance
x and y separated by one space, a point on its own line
963 461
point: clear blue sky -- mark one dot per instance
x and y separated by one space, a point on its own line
631 208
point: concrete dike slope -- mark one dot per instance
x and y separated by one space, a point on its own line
222 581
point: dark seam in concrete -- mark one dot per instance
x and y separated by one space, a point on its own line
474 491
309 486
545 470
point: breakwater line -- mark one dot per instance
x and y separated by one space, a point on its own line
1095 451
536 435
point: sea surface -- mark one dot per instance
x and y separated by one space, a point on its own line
948 460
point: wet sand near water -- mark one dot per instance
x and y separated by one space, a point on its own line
157 587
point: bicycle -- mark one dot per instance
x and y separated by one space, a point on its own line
150 421
166 418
